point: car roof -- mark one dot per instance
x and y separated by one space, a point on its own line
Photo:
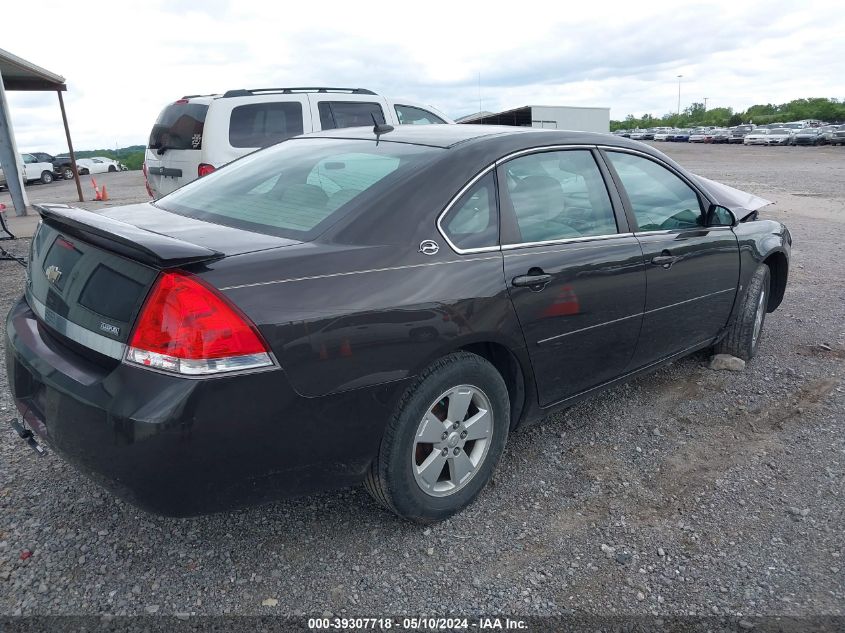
447 135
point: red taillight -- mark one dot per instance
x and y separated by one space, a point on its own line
204 169
187 327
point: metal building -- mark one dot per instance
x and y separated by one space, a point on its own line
583 119
19 74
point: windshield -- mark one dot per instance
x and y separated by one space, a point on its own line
179 126
793 126
298 188
779 130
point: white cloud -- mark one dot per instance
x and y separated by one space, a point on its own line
124 62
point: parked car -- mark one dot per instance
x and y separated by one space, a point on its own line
663 136
739 132
837 137
682 136
770 136
36 170
208 352
62 165
825 132
197 134
806 136
97 165
700 135
719 135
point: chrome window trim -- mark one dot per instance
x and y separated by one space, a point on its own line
568 240
77 333
481 174
452 202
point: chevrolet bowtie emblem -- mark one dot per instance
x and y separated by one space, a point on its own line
53 273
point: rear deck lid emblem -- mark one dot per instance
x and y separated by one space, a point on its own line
53 273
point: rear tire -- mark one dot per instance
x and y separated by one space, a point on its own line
744 332
46 177
112 169
67 173
443 442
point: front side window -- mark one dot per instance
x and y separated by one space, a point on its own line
335 114
298 188
473 221
660 200
264 124
409 115
559 195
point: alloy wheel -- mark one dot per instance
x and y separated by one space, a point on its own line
452 440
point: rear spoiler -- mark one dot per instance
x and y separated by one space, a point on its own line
125 239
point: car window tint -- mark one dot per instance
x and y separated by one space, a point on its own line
473 221
335 114
409 115
179 126
264 124
559 195
659 199
297 188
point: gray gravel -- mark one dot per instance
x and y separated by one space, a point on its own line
690 491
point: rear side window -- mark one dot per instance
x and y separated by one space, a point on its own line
473 221
298 188
335 114
179 126
264 124
409 115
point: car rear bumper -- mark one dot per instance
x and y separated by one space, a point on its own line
179 446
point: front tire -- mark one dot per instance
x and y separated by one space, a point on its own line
112 169
67 173
744 332
46 177
444 440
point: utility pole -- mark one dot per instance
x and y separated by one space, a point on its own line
705 104
679 94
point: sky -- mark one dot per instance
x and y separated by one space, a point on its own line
124 61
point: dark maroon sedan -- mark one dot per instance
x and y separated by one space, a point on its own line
379 306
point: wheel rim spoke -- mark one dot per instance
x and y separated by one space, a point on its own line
478 426
431 429
459 401
429 471
460 466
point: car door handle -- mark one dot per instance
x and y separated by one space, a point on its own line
665 260
531 280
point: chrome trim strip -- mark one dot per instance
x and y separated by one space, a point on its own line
539 150
569 240
680 303
358 272
631 316
589 327
77 333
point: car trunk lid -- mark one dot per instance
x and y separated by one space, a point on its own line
90 273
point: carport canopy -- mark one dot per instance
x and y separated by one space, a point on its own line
19 74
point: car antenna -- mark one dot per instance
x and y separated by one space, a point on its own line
380 128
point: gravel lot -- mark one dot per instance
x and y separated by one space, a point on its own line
685 492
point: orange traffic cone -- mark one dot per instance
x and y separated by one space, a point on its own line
97 195
105 195
345 348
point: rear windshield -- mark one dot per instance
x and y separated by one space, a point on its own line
298 188
179 126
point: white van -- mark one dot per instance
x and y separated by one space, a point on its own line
199 133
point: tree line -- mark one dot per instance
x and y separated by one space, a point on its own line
830 110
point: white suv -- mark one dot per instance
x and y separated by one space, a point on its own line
199 133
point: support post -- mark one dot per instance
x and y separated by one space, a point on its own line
70 147
9 157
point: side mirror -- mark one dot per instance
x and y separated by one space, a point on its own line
717 215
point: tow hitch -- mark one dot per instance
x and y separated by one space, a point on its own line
27 436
